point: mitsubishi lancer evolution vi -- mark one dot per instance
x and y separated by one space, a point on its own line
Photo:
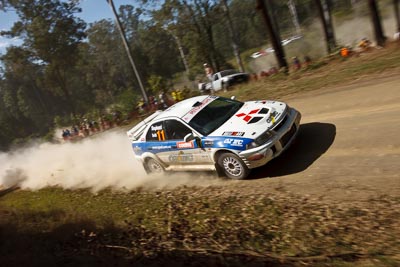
206 133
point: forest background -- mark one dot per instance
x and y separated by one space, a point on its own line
66 70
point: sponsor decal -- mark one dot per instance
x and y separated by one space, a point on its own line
249 117
181 157
185 144
233 133
157 132
272 117
205 157
234 142
156 127
208 143
188 116
160 147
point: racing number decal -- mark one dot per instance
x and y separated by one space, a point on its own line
156 132
161 135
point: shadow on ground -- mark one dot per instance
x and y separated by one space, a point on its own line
74 244
313 140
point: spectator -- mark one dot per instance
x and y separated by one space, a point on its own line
163 101
344 52
296 63
173 95
179 95
364 44
209 71
139 106
75 130
64 135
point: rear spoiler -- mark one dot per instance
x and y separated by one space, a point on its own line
135 132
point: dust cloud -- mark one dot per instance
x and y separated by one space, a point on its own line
104 161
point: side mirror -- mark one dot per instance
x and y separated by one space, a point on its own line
233 97
189 137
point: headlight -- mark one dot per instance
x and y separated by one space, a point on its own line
251 145
262 139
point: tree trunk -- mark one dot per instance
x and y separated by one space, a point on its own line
292 9
326 19
376 21
233 36
182 53
397 14
275 38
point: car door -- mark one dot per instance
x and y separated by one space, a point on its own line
183 153
217 82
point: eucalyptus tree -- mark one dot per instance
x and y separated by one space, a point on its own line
233 34
51 33
324 8
376 22
397 14
167 18
23 94
193 23
273 32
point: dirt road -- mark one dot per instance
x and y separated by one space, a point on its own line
348 148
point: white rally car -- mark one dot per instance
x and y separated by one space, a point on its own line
214 133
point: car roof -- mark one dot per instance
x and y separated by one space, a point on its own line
178 110
181 108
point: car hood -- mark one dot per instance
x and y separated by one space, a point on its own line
253 119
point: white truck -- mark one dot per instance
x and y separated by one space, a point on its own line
224 79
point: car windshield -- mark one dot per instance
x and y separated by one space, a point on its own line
214 115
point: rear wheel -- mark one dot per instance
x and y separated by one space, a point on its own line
233 167
153 166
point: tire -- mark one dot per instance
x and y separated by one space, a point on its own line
233 167
153 166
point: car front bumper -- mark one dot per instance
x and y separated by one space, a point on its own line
282 139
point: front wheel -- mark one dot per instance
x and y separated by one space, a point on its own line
233 166
153 166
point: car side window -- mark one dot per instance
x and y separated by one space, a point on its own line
176 130
156 132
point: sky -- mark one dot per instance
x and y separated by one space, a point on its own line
92 10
